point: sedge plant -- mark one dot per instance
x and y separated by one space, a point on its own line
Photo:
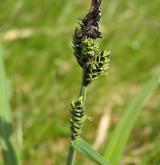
93 62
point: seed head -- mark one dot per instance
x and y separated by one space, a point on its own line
86 46
77 117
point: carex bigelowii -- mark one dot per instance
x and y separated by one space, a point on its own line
92 60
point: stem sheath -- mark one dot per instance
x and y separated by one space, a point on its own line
71 156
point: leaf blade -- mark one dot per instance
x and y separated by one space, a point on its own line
85 149
121 134
7 139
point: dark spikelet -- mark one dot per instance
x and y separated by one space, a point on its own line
86 47
90 23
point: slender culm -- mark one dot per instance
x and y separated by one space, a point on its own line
93 62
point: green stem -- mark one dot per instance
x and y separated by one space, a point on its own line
72 151
83 92
71 156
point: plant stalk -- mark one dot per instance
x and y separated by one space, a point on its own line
72 151
71 155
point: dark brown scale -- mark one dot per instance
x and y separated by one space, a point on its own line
102 59
90 24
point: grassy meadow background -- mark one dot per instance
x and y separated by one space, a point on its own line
43 75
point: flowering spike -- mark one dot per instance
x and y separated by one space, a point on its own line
77 117
86 46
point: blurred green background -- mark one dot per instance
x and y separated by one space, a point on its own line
43 75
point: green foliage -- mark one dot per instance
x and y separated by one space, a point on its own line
7 139
85 149
123 130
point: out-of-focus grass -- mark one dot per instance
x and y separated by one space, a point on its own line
41 68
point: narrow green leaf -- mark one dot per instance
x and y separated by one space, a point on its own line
121 134
85 149
7 139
